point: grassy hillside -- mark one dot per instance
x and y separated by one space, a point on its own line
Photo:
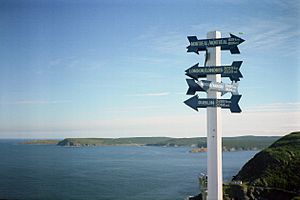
275 170
275 166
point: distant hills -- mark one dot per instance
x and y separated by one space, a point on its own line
229 143
132 141
273 173
197 143
40 141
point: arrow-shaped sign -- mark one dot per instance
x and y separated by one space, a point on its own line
195 103
193 87
219 87
206 86
232 71
225 43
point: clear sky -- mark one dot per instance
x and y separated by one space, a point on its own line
115 68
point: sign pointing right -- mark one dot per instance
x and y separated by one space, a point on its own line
230 43
232 103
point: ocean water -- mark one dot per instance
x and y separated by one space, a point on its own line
49 172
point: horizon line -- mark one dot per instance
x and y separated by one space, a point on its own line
45 138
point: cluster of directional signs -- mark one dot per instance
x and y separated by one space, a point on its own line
231 71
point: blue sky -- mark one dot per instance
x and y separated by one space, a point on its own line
115 68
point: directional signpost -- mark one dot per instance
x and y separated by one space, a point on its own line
213 71
193 87
206 86
230 43
232 103
232 71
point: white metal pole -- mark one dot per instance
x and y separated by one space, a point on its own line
214 128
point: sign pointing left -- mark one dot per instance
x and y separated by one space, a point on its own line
232 71
232 103
193 87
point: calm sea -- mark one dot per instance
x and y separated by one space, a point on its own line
105 173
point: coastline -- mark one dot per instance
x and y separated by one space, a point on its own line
197 145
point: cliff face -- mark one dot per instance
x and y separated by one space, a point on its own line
276 168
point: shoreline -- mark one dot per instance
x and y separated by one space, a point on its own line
193 149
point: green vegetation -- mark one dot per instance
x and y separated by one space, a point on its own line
196 142
248 142
229 143
111 141
236 143
273 173
50 141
